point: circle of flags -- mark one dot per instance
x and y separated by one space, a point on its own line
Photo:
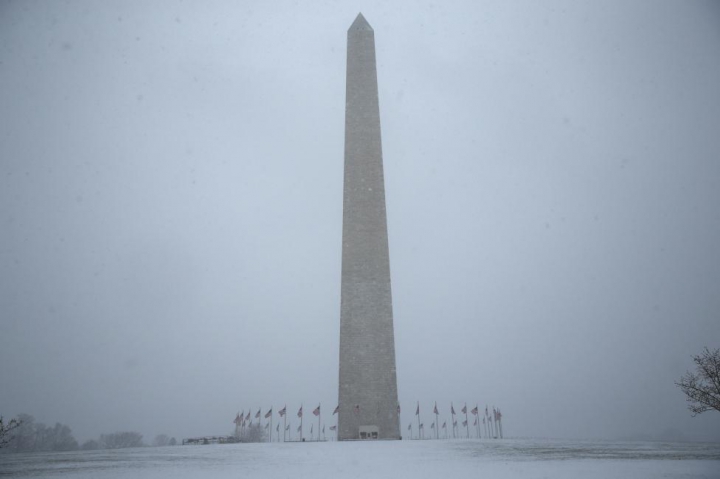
488 425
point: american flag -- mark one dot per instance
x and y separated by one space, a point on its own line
300 413
475 411
464 423
435 411
316 411
422 425
247 418
299 428
398 409
432 426
258 414
237 419
332 428
268 414
282 411
452 409
410 427
444 426
337 409
464 409
417 411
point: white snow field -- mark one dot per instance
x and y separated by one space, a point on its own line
508 458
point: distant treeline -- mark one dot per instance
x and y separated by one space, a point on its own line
31 436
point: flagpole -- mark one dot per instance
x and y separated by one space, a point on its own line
437 424
271 423
417 411
500 423
284 423
301 417
452 416
467 424
494 423
319 416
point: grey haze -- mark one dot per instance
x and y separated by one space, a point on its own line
171 209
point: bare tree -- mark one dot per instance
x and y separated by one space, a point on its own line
119 440
5 429
161 440
91 445
24 437
702 388
28 436
253 433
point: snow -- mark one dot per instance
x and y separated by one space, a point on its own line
509 458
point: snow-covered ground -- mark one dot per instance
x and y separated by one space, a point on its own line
509 458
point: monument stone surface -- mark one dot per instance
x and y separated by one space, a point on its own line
368 383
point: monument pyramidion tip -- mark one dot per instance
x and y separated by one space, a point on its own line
360 24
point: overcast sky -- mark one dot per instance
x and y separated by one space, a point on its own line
171 209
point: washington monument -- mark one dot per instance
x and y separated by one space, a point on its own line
368 384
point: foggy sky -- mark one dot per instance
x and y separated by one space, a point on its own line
171 210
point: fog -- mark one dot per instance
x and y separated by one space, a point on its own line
171 210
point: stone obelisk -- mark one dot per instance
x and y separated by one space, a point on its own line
368 384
